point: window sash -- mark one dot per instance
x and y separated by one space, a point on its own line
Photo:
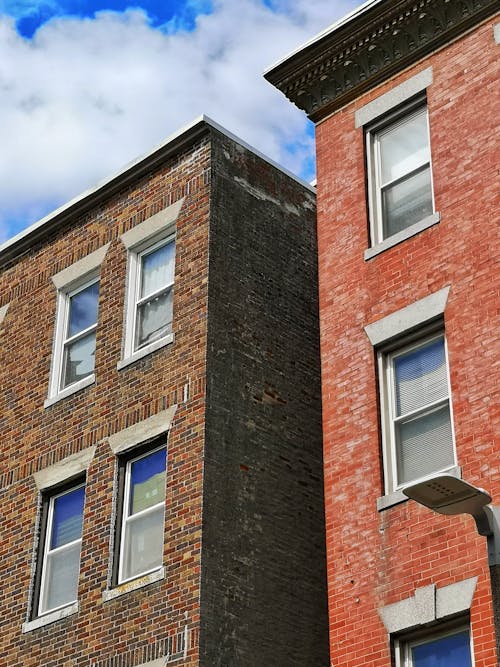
136 301
392 423
405 650
66 341
49 554
129 518
377 185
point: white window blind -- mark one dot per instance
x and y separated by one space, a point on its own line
421 430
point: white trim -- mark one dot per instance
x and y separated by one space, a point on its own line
3 312
376 185
76 277
52 617
403 235
142 431
404 320
145 351
46 551
67 391
162 222
156 231
63 470
56 391
159 662
393 98
129 516
79 269
403 646
387 410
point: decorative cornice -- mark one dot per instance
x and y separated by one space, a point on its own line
358 54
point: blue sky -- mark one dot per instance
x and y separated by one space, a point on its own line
88 85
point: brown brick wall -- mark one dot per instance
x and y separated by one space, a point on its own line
137 626
375 559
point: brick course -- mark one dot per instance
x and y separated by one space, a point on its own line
163 618
375 559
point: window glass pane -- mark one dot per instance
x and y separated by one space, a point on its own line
452 651
424 444
147 481
157 269
83 309
407 202
404 147
67 517
421 377
143 543
61 577
154 318
79 359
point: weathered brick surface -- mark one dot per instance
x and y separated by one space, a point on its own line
263 567
375 559
285 503
34 437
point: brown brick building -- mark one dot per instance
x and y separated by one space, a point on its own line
404 96
160 420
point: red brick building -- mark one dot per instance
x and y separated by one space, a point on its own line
404 96
161 473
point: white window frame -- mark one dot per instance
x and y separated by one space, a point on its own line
125 517
69 281
62 341
385 355
403 646
159 229
134 300
46 551
375 186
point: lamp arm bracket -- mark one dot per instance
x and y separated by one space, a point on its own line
491 516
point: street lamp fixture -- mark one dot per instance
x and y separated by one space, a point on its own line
449 495
446 494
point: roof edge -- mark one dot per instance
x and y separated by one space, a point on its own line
368 46
186 135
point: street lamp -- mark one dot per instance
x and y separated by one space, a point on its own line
446 494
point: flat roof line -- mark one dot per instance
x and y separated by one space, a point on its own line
106 186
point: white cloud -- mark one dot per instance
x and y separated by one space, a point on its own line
85 96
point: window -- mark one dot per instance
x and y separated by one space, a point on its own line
79 332
452 649
150 302
154 294
399 168
73 355
140 528
416 411
75 339
60 544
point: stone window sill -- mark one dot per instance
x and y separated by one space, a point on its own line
140 354
73 389
135 584
52 617
403 235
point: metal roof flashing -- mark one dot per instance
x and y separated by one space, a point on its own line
19 244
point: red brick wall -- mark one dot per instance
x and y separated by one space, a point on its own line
134 625
375 559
